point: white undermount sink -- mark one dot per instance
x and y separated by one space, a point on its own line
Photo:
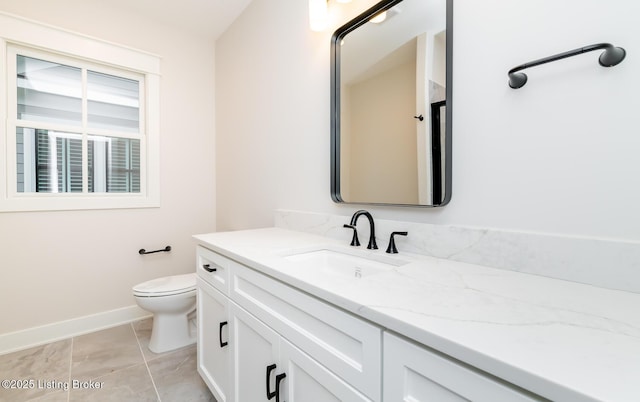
342 262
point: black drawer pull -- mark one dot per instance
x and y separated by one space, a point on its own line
222 344
207 267
279 378
270 394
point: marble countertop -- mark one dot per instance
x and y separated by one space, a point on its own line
558 339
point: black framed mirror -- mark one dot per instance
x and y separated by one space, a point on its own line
391 105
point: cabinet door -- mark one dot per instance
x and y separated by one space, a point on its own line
214 355
308 381
412 373
255 354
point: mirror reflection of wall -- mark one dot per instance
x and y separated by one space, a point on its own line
380 162
390 72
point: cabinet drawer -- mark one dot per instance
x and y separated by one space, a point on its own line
346 345
213 268
414 373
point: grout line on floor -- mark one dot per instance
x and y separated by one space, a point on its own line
70 366
144 359
97 379
125 367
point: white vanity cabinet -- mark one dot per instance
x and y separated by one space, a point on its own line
414 373
260 336
428 329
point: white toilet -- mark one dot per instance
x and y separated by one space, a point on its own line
171 299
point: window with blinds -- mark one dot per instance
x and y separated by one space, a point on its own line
81 121
77 129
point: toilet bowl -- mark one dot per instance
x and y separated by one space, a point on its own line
171 299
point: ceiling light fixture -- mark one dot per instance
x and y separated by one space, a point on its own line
318 15
378 18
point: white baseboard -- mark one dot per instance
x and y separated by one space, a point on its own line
30 337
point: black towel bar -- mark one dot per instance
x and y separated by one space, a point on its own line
609 58
143 251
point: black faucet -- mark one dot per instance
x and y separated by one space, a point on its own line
372 235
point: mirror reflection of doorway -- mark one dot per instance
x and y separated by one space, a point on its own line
438 114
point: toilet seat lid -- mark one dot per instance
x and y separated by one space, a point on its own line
167 285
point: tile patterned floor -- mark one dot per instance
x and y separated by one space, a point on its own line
110 365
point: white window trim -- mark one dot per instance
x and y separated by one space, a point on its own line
22 32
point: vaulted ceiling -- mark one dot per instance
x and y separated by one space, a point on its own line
209 18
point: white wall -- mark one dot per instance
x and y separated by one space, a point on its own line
56 266
383 138
557 156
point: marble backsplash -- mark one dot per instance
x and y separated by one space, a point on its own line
598 262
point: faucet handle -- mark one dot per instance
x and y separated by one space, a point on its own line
354 241
391 249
